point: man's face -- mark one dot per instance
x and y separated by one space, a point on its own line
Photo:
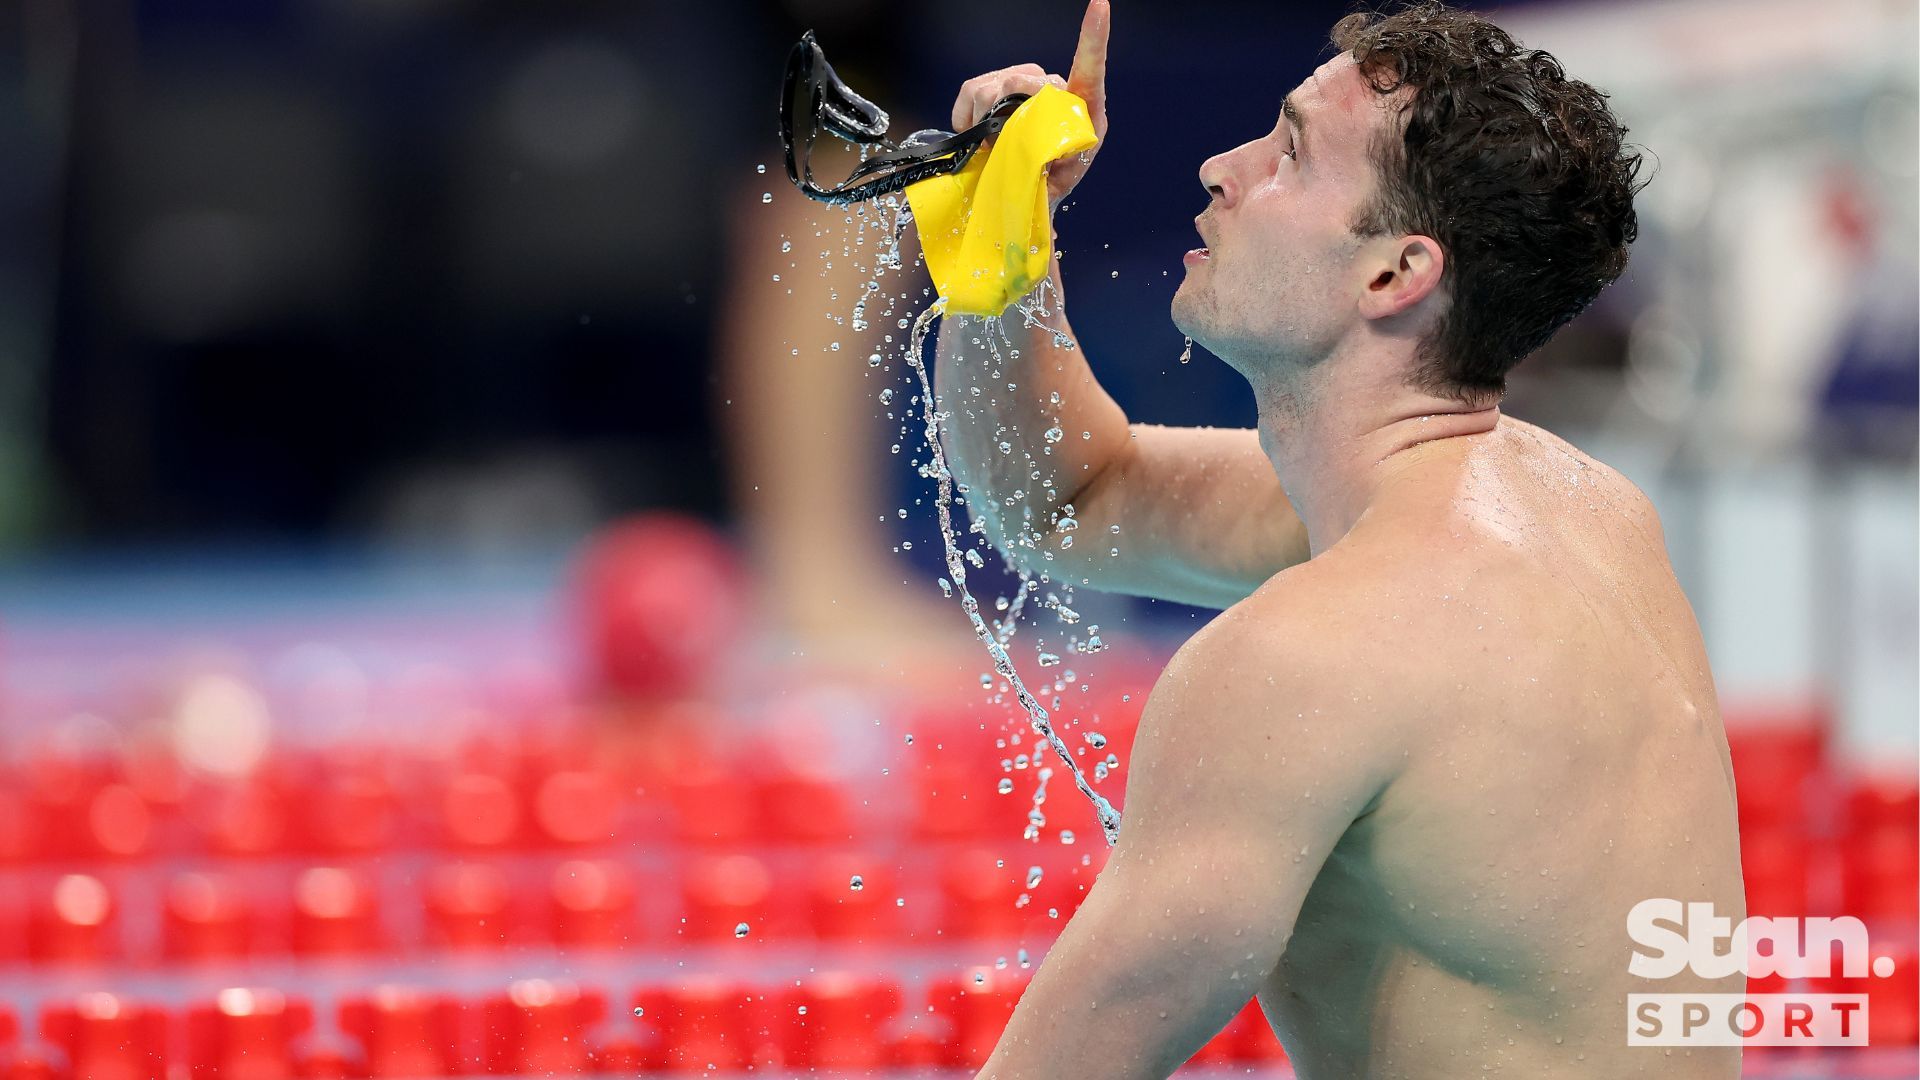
1277 287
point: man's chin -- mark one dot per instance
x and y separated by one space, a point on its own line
1185 318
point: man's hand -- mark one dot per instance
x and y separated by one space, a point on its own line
1087 81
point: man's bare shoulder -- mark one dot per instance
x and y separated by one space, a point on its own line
1283 689
1586 476
1321 635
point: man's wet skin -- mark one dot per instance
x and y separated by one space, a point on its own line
1508 609
1456 719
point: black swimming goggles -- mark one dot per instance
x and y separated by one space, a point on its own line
815 96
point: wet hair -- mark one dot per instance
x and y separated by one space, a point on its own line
1519 173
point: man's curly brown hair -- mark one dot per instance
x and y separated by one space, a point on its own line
1519 172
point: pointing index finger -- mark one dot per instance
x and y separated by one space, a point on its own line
1089 75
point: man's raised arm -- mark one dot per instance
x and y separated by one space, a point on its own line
1201 515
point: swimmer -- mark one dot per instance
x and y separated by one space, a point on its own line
1456 719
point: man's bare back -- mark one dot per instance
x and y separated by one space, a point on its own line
1456 720
1510 604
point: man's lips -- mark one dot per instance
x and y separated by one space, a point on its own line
1197 255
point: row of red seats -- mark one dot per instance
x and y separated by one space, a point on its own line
578 903
356 801
830 1021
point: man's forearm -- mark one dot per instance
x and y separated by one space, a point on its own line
1029 424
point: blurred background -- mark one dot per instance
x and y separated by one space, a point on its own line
464 578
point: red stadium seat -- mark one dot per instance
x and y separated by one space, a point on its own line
917 1048
246 1034
479 810
705 1023
958 801
801 808
539 1028
1876 802
723 892
348 808
715 806
242 817
335 913
592 905
116 823
469 908
838 911
983 898
407 1033
832 1022
578 807
72 922
107 1037
206 917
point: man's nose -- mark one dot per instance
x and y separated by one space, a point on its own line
1216 179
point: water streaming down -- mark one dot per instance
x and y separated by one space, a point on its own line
957 570
893 216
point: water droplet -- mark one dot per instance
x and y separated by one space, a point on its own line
886 396
873 360
979 978
759 168
742 930
766 196
1096 740
1054 434
910 734
1006 786
1022 957
802 1010
639 1010
1047 659
1034 874
1066 836
1116 274
857 883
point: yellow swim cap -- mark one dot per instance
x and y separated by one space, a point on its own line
985 228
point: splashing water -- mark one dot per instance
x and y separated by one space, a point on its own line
989 636
889 218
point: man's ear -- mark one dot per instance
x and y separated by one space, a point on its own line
1409 271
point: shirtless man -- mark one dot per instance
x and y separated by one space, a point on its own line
1456 719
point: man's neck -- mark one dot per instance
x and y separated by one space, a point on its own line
1332 430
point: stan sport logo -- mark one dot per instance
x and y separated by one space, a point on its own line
1671 938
